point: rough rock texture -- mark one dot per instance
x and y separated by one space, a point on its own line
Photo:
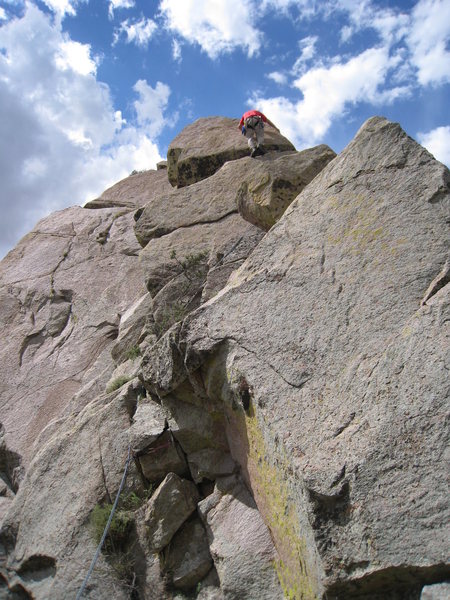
261 189
132 329
77 320
62 291
440 591
205 145
49 511
190 264
275 181
281 397
210 463
332 372
162 457
207 201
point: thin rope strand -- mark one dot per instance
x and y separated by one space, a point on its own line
105 532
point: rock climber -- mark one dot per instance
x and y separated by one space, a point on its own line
252 126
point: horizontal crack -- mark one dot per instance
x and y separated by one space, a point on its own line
162 232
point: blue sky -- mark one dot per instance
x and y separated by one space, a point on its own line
93 89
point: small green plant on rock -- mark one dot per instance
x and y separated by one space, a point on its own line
117 383
119 546
119 529
194 268
170 314
133 352
192 265
133 501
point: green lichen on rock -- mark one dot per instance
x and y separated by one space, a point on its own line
273 498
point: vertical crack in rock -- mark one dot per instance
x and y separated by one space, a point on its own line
100 456
65 254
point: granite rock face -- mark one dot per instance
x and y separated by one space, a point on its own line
269 362
240 543
333 371
68 476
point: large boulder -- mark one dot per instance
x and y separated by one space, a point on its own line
205 145
274 181
329 351
207 201
260 189
188 559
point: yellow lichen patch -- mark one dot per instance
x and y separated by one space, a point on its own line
272 495
256 186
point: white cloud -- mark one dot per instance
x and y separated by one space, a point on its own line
119 4
278 77
75 56
61 7
3 15
412 50
306 8
391 24
308 50
62 142
328 91
137 32
426 33
176 50
218 26
437 141
429 39
151 105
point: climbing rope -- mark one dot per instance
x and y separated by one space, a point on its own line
105 532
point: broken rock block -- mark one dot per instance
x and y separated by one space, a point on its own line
188 559
149 423
194 428
240 543
161 457
439 591
131 327
134 191
170 506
